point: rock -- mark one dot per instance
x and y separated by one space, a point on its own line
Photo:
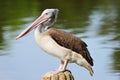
66 75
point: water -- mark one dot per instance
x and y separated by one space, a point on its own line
95 22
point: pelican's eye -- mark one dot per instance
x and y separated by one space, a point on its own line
46 13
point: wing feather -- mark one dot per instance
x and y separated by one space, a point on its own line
71 42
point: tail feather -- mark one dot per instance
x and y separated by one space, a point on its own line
89 68
82 62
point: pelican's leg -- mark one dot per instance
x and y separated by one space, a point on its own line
62 66
65 62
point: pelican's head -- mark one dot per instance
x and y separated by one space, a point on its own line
47 18
51 15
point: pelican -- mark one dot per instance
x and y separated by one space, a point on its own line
65 46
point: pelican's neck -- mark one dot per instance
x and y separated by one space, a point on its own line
42 28
38 33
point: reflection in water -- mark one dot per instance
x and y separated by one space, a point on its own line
116 60
87 19
109 28
11 20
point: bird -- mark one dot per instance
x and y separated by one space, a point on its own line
58 43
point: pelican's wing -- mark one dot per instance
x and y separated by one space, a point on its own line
71 42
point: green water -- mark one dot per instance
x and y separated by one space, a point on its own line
97 22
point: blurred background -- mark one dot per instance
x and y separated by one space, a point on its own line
97 22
